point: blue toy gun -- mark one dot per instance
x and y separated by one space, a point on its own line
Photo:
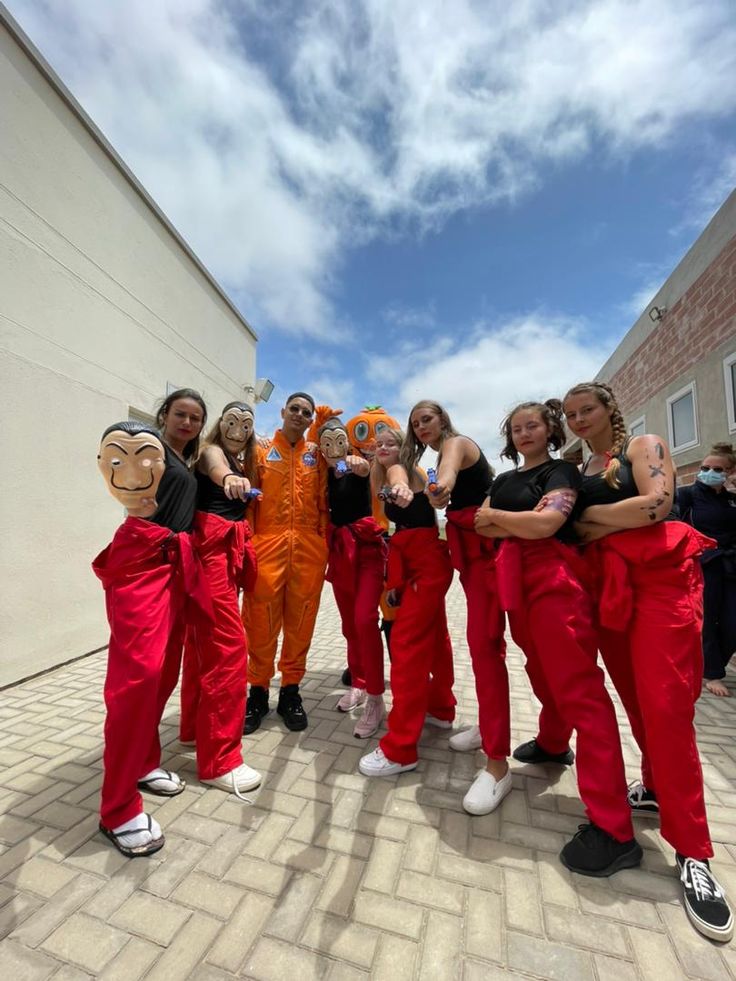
253 494
432 480
386 494
341 467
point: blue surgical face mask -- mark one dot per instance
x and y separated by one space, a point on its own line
711 478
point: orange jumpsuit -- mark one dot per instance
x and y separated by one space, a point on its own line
289 524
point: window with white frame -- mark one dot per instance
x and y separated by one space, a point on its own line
682 418
638 427
729 378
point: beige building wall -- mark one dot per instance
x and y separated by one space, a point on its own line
101 306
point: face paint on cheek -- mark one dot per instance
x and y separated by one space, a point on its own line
132 467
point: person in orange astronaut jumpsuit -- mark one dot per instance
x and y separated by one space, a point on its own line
362 431
289 524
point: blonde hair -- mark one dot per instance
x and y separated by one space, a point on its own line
412 449
604 394
378 471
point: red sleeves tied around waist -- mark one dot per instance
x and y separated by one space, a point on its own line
147 552
212 533
514 552
617 558
345 543
466 545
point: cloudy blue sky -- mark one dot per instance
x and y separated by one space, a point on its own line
469 201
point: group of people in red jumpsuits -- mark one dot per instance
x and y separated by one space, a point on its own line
577 561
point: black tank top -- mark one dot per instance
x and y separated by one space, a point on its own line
176 495
212 499
349 498
419 514
595 490
472 484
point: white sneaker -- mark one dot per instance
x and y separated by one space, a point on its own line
238 781
432 720
352 698
486 793
376 764
466 740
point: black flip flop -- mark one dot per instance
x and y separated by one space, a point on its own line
134 851
147 785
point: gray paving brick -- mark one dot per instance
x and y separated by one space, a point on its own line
332 875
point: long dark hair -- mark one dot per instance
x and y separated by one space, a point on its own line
191 450
551 413
246 464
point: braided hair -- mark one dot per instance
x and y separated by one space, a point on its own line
551 414
604 394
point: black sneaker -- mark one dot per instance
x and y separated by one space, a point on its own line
256 708
290 708
641 800
705 900
532 752
592 851
347 678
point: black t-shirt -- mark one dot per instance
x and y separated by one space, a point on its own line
176 495
349 498
419 514
211 498
471 486
711 512
522 490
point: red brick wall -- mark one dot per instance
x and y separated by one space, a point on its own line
701 320
686 473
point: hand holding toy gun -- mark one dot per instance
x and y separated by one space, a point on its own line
386 493
342 467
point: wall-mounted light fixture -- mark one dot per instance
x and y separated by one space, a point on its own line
656 313
261 391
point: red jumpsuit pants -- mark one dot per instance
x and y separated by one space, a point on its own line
421 654
551 619
649 585
147 572
356 565
213 690
473 557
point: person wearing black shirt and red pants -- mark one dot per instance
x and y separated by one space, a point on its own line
551 619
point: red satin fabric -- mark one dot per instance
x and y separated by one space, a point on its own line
421 654
552 621
649 587
213 689
148 574
355 568
473 556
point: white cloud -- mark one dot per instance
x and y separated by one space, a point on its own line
534 357
369 118
403 316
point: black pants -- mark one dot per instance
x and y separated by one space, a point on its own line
719 618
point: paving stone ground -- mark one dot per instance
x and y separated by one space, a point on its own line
330 874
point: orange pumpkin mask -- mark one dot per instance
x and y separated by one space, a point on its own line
363 429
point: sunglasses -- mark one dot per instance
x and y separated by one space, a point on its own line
295 410
714 469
